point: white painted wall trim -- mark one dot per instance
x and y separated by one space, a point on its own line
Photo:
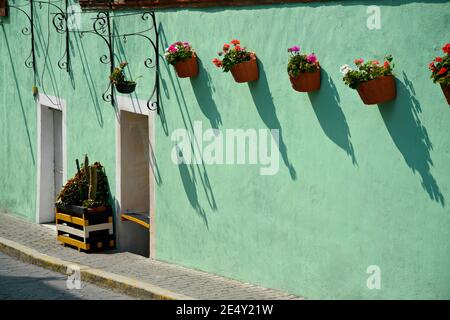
139 107
46 101
133 105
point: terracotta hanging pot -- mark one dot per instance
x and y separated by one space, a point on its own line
446 90
246 71
306 81
378 91
187 68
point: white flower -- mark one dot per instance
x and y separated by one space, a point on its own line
345 69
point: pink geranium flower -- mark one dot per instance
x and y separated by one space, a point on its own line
294 49
311 58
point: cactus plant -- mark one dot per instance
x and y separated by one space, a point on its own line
86 163
92 182
88 188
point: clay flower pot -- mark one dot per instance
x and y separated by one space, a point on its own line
306 81
446 90
187 68
378 91
246 71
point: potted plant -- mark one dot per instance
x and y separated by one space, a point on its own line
118 79
86 192
373 81
440 71
183 58
239 61
303 70
84 219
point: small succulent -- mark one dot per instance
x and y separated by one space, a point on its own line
118 75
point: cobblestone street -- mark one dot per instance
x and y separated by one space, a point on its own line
192 283
23 281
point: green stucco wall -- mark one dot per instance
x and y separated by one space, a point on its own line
357 185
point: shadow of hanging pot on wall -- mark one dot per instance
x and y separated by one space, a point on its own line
187 68
246 71
377 91
446 90
306 81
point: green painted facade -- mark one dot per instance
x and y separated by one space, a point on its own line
357 186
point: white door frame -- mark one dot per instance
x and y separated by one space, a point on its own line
139 107
46 101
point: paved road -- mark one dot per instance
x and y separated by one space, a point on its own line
188 282
19 280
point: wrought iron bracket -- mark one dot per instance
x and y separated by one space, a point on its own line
153 101
102 27
30 61
60 22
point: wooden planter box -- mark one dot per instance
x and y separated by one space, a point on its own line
85 229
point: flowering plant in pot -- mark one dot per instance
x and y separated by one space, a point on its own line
87 191
440 71
303 70
241 62
118 79
183 58
373 81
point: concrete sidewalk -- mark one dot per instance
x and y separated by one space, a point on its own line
123 272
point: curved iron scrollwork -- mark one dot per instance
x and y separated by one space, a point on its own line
102 27
30 61
108 95
59 21
151 35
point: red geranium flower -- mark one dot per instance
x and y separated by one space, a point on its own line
226 47
442 71
235 42
386 64
438 59
446 48
432 67
217 62
375 62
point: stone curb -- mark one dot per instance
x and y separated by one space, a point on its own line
115 282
